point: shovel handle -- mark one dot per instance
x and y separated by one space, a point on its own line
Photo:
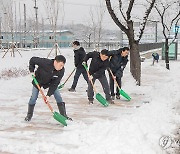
70 75
62 85
86 67
120 90
44 97
114 78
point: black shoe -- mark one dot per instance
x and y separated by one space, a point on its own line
118 97
111 101
68 118
90 102
27 118
71 90
113 97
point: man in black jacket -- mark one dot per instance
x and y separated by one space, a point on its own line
118 61
48 74
99 64
79 55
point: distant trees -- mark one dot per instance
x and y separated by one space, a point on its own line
53 8
9 26
169 17
95 24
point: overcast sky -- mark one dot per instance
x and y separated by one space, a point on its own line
76 11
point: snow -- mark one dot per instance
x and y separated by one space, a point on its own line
133 127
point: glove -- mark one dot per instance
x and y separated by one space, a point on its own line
84 63
90 77
114 77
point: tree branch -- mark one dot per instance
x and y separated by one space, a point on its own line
120 8
128 13
145 18
114 17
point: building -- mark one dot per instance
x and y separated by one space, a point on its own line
10 33
45 39
149 35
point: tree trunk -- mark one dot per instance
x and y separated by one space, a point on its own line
167 53
135 61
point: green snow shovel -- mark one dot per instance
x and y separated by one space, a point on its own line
62 85
99 97
60 118
121 92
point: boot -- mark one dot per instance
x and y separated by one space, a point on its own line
110 101
30 112
118 97
62 110
113 97
90 102
71 90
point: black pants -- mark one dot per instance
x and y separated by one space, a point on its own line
154 61
105 85
78 72
111 81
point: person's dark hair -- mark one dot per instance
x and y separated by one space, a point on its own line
125 48
76 43
105 52
60 58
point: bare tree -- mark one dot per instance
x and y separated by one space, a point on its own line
96 20
52 9
1 47
100 17
93 25
125 23
169 13
87 34
10 25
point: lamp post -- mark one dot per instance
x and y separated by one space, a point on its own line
36 40
156 31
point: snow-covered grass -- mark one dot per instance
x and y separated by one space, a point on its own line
117 129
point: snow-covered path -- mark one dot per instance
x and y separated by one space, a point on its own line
117 129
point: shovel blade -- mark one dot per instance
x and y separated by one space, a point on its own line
102 100
124 94
60 118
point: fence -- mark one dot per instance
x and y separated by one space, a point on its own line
149 46
92 46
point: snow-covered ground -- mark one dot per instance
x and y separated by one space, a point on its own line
133 127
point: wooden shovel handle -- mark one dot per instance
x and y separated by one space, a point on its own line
69 75
114 78
94 88
43 96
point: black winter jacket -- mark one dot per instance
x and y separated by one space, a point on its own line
46 74
117 62
79 55
97 67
